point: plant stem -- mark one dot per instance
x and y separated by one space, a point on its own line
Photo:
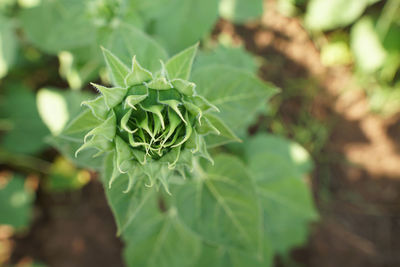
24 161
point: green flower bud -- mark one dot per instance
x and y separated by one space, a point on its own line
153 124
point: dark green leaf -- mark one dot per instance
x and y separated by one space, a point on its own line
16 202
28 131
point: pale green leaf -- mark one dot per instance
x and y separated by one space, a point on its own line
81 124
98 107
124 155
180 65
136 95
118 70
112 96
106 129
368 50
100 143
184 87
138 74
330 14
159 84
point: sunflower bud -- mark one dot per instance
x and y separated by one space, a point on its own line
154 124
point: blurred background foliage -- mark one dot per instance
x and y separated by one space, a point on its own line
50 50
364 34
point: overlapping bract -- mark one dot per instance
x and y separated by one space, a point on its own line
152 123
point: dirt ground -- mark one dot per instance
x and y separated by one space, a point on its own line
357 186
356 182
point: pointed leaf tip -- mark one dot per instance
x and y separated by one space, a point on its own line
112 96
138 74
180 65
118 70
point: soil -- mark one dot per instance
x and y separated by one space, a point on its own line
356 182
356 187
71 229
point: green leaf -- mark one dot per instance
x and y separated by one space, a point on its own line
106 129
155 236
65 21
28 131
184 87
112 96
331 14
185 22
124 155
205 127
159 84
225 134
68 146
126 207
222 205
164 242
180 65
138 74
278 167
80 65
56 107
127 41
71 138
238 94
98 107
16 202
241 11
8 45
367 48
79 126
278 149
118 70
237 57
218 256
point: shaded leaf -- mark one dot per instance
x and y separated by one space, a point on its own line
28 131
8 45
16 202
